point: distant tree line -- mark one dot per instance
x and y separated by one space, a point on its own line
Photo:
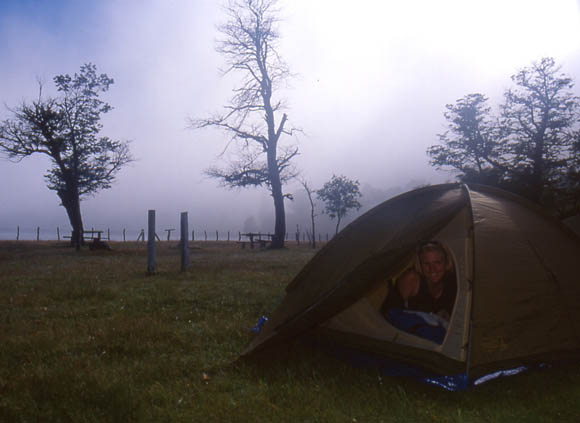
531 146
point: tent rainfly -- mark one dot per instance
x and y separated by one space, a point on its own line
517 274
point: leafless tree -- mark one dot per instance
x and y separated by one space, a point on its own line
254 118
309 192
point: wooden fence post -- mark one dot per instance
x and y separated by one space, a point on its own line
184 242
169 233
124 239
151 264
18 233
58 233
38 233
217 238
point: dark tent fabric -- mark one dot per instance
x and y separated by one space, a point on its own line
518 289
573 223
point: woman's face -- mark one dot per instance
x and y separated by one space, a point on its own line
433 266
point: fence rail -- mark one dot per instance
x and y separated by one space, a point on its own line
125 235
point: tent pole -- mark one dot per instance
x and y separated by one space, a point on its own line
471 238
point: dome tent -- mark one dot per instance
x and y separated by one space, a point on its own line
518 286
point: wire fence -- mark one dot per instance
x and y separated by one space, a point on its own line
38 233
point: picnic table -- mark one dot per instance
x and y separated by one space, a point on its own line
92 235
251 236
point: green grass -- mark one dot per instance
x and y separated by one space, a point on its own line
89 337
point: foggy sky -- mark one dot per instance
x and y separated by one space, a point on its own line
372 81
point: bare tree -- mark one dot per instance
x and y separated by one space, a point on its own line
309 192
254 119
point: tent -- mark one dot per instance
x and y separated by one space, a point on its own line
573 222
517 274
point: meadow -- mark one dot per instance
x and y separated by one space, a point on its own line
90 337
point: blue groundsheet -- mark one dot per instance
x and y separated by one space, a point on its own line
386 367
393 368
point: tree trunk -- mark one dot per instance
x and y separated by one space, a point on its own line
313 229
280 224
277 195
273 170
312 216
538 176
72 205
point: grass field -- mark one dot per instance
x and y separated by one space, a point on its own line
89 337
